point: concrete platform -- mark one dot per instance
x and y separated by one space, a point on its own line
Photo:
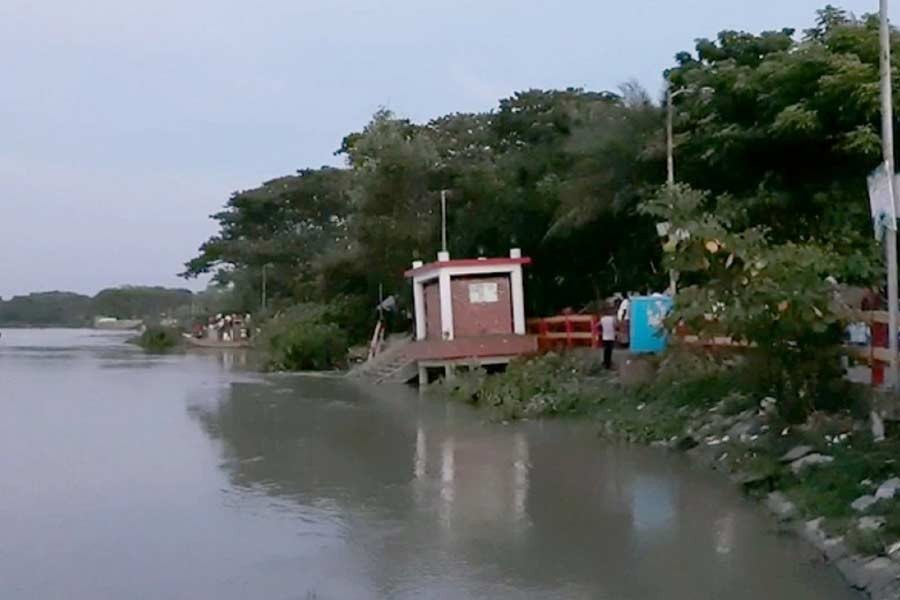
473 347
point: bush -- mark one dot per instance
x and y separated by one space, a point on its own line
159 339
547 385
302 339
690 377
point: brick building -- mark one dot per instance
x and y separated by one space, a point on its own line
469 311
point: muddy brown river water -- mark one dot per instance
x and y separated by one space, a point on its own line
127 476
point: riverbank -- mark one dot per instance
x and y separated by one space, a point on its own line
824 478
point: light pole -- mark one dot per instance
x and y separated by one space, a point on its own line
265 269
443 220
670 162
670 118
670 137
670 152
887 147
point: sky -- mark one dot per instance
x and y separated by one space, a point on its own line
125 124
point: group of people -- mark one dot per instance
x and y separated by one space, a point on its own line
225 328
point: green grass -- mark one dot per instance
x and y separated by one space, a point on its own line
829 490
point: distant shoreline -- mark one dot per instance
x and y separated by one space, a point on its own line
44 326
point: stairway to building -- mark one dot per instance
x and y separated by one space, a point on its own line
391 365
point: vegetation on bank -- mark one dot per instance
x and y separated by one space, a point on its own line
159 339
778 130
304 338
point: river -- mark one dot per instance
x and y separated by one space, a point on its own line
189 477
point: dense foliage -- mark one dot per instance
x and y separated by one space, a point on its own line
778 298
550 171
781 128
786 128
304 338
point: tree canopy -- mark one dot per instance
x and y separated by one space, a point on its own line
780 128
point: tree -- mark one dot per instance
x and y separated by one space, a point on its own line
776 297
789 129
782 143
287 225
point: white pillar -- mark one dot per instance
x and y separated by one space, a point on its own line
446 304
419 307
517 290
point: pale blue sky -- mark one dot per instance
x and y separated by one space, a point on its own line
125 123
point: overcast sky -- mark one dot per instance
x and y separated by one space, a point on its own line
125 123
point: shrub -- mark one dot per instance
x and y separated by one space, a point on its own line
159 339
301 339
547 385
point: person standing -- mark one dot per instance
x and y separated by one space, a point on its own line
608 335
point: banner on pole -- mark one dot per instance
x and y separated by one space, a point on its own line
881 200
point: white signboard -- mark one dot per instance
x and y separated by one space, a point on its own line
482 293
881 200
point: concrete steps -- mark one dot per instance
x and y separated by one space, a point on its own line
392 365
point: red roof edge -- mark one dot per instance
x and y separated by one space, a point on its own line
467 262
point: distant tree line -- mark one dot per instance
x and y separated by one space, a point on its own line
67 309
62 309
780 128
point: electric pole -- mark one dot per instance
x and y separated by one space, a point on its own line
887 146
264 282
670 142
443 220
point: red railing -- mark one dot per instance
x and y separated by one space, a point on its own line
566 331
877 353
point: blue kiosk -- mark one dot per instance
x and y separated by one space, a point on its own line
648 336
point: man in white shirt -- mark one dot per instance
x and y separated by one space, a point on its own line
608 335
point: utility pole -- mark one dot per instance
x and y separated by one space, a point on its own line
670 142
264 282
887 146
670 162
443 220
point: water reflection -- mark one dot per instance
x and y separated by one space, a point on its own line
421 458
653 505
725 533
448 491
429 495
521 468
183 477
